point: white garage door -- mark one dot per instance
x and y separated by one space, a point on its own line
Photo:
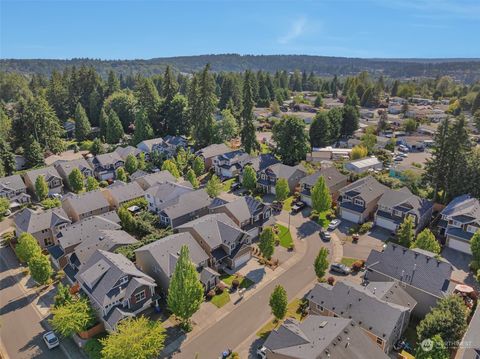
385 223
307 200
242 260
459 245
350 216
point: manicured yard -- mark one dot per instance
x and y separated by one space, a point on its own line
221 299
287 204
244 282
227 185
348 261
284 236
293 311
322 219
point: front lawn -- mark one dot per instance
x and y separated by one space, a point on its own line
244 282
322 219
287 204
284 236
293 311
227 185
348 261
220 300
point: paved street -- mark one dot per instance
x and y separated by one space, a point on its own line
21 323
249 316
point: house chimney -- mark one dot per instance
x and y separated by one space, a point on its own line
347 343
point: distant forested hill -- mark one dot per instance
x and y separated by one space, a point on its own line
466 70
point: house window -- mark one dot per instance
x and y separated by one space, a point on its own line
472 229
140 296
397 213
48 242
123 280
456 224
319 307
379 341
358 202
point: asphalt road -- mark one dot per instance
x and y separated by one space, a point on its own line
20 323
249 316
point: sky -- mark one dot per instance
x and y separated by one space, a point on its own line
143 29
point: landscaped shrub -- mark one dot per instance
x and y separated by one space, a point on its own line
291 247
219 289
331 280
364 228
235 283
353 230
210 294
103 184
356 266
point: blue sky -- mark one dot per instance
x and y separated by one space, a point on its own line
145 29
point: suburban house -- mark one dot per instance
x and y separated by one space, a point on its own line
395 205
121 192
53 179
472 350
383 322
247 212
123 152
226 244
149 146
230 164
328 153
106 164
158 260
43 225
83 205
358 200
260 163
363 165
163 194
460 220
72 235
186 207
115 287
64 168
209 153
13 188
320 336
150 179
422 275
270 175
333 179
172 143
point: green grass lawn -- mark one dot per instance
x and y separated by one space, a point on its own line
284 236
348 261
244 282
221 299
227 185
287 204
293 311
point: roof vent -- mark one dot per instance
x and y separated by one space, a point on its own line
323 324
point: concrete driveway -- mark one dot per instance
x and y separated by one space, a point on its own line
460 262
361 250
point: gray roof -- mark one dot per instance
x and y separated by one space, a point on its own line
67 166
167 192
103 270
463 206
187 202
215 229
47 172
392 292
123 152
243 208
368 188
355 302
151 143
214 150
263 161
137 174
331 175
166 250
87 228
151 179
175 140
12 183
123 192
283 171
32 222
322 337
116 315
403 200
85 202
107 159
233 154
417 268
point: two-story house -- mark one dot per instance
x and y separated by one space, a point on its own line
124 152
148 180
209 153
226 244
150 146
420 273
43 225
269 176
358 200
260 163
120 193
383 321
230 164
83 205
64 168
51 175
395 205
13 188
164 194
106 164
115 287
460 220
172 143
333 179
158 260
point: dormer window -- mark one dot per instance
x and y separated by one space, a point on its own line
123 280
359 202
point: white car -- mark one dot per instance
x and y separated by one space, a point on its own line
334 224
51 340
262 352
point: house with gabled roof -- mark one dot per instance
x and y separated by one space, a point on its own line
120 193
115 287
149 146
268 178
51 175
209 153
333 179
164 194
124 152
260 163
86 204
230 164
106 164
460 220
420 273
64 168
150 179
395 205
184 208
13 188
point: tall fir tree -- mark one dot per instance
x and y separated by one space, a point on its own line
321 198
143 130
82 124
114 128
320 130
247 132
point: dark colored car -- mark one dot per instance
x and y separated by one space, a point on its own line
235 186
298 206
325 236
340 268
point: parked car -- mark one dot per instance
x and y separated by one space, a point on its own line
51 340
262 352
324 235
340 268
334 224
56 196
398 159
235 186
404 155
277 206
403 148
298 206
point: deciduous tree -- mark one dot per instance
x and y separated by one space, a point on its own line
131 163
198 166
249 178
72 317
321 263
170 166
279 302
75 180
41 188
192 178
437 351
282 190
27 247
320 130
92 184
405 232
40 268
214 186
121 175
321 198
267 242
427 241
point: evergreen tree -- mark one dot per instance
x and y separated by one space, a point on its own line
7 157
214 186
350 120
175 116
82 124
143 130
114 128
148 100
113 84
41 188
40 268
395 85
227 127
427 241
249 178
320 130
192 178
5 125
97 147
335 117
318 101
247 133
27 247
476 103
279 302
75 180
185 292
475 249
63 295
321 263
267 242
92 184
131 163
141 161
282 190
103 123
171 167
198 166
405 232
120 174
123 103
291 139
321 198
33 153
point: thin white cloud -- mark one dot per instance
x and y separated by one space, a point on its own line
296 30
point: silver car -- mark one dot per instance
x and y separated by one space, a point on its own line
51 340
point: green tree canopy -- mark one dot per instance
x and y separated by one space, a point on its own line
249 178
72 317
121 175
82 124
114 131
405 232
437 351
33 153
63 295
192 178
75 180
198 166
427 241
143 130
267 242
131 163
321 263
282 190
291 139
321 198
475 248
279 302
171 167
27 247
41 188
247 133
40 268
350 120
92 184
320 130
214 186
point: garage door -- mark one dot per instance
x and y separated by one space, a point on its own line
385 223
350 216
242 260
307 200
459 245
